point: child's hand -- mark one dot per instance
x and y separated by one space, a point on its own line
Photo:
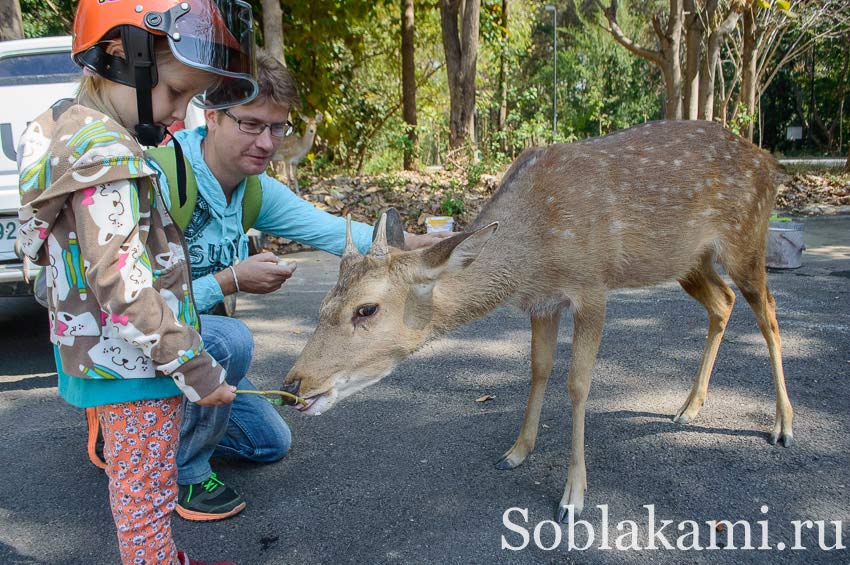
222 395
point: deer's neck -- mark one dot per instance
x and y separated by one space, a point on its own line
472 293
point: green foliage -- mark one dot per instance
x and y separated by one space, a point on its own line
51 18
742 120
345 56
777 218
453 202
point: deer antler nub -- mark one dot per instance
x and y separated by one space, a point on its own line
350 249
380 249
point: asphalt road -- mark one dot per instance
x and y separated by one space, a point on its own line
403 472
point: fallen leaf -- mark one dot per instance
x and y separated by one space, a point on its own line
485 398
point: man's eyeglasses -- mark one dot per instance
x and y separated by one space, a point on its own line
256 128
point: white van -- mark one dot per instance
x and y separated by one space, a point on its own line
34 73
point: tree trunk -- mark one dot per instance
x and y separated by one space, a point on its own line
273 30
749 78
461 47
693 59
503 78
408 85
711 63
671 47
11 25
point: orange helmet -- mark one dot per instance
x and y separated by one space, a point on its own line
211 35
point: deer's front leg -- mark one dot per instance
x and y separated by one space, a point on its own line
588 322
544 342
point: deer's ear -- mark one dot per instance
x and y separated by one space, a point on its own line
456 253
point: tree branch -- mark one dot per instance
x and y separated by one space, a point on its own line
620 37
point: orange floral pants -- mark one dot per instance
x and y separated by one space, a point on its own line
140 446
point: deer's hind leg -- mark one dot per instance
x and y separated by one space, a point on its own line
706 286
544 342
751 279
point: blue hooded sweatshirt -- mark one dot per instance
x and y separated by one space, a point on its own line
215 237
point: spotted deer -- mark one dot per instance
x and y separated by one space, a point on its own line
293 149
654 203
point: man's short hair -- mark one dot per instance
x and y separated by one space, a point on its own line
275 82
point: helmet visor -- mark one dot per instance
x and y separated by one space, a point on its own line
218 36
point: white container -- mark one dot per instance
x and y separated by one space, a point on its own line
439 223
785 245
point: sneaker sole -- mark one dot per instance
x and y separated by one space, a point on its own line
206 517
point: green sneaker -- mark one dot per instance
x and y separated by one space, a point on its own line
208 500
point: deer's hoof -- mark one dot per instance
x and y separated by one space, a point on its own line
786 440
563 514
506 463
681 419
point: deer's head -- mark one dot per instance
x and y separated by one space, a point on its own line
384 307
312 122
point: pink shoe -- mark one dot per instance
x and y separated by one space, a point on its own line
184 560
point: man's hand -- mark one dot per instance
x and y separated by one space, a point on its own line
258 274
224 394
414 241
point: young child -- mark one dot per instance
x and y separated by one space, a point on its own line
121 310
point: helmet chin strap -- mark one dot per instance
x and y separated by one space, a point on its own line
139 53
147 132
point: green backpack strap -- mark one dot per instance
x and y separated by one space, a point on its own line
166 158
251 202
167 161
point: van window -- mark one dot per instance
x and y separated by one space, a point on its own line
40 68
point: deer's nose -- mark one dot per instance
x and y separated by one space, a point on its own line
292 388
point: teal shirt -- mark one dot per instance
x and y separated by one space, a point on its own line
86 393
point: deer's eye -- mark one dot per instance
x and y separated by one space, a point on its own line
365 311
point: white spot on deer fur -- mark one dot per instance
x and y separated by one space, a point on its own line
550 199
748 174
692 223
708 212
700 130
553 231
644 160
708 183
662 162
727 156
648 148
617 226
719 196
677 162
567 233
